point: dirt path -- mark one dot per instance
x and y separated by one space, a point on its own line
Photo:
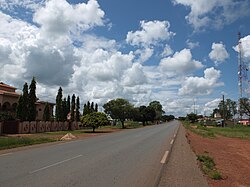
231 155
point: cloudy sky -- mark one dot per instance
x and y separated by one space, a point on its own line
173 51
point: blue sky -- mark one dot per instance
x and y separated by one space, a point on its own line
174 51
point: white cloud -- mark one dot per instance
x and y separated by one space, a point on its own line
245 45
214 13
167 51
211 105
201 85
58 17
219 53
191 44
144 54
151 33
180 62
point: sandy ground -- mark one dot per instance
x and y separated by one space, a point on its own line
231 155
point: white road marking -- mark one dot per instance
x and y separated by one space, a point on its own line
6 154
57 163
164 158
172 141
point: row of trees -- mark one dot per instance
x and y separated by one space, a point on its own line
26 108
65 106
228 108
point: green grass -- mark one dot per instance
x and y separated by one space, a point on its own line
208 167
12 142
238 131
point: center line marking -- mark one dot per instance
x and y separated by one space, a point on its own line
57 163
172 141
164 158
6 154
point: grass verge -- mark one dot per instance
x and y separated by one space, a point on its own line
238 131
208 167
12 142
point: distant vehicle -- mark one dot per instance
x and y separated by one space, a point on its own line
219 122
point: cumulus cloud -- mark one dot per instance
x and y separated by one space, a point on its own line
180 62
214 13
245 43
167 51
151 32
211 105
58 17
191 44
219 53
201 85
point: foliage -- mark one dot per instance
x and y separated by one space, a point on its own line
228 109
94 120
89 108
208 167
22 108
59 110
32 100
118 109
6 117
77 109
96 107
46 112
68 105
156 105
167 117
73 106
192 117
245 106
64 109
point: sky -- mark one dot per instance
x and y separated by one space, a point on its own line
182 53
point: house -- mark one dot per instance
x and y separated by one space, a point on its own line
9 100
244 122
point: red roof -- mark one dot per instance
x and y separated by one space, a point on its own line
6 85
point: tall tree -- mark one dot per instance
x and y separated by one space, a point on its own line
96 107
32 101
19 112
68 105
59 112
77 108
25 102
118 109
73 106
156 105
64 109
227 109
46 112
92 108
85 110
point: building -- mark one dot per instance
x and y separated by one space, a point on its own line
9 99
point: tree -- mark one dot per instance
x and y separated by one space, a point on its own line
73 106
32 101
19 113
245 106
150 113
77 108
156 105
68 105
96 107
94 120
46 112
64 109
25 101
192 117
59 111
92 109
228 110
118 109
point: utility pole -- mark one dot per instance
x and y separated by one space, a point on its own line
223 113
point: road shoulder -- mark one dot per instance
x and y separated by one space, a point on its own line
182 168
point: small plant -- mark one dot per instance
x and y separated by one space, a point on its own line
208 167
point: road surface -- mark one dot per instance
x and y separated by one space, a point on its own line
129 158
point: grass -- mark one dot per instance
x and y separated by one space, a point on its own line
208 167
12 142
237 131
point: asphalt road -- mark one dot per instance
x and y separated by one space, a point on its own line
131 158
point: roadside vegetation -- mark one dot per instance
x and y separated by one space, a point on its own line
12 142
237 131
208 167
